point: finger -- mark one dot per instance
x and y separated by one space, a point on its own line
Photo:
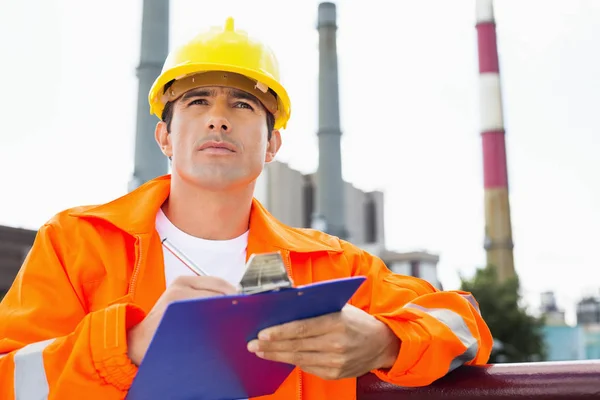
323 343
302 328
306 359
211 283
184 293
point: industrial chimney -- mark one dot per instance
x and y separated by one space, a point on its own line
150 162
498 230
330 208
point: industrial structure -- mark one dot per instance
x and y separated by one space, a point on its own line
498 230
323 200
565 342
289 196
549 309
330 195
588 311
149 161
14 246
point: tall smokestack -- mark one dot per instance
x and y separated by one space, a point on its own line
330 208
150 162
498 230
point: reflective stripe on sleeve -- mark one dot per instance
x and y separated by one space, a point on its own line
30 375
457 325
471 300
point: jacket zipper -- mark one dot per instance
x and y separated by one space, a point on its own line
299 384
288 267
136 270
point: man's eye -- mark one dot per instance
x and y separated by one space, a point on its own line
242 104
198 101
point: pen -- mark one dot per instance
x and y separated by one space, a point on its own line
183 258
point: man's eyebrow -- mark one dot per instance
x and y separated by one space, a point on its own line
200 92
240 94
235 93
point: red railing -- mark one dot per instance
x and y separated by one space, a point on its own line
545 380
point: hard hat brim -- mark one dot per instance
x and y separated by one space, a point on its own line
180 71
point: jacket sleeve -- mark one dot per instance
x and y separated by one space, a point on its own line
50 345
439 330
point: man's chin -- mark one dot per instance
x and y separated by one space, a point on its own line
218 183
215 177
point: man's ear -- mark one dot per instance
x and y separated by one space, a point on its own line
163 138
273 146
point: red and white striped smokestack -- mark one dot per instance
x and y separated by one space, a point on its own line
498 230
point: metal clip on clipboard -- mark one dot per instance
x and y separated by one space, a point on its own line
265 272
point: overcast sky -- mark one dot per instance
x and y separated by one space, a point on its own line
409 110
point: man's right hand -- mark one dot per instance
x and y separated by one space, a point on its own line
184 287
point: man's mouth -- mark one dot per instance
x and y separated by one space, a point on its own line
217 147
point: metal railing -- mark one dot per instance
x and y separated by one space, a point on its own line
543 380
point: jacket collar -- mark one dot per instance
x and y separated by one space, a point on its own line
135 213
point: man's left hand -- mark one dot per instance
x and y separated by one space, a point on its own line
346 344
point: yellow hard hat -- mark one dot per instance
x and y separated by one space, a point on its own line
223 56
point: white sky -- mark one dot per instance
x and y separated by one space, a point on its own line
409 109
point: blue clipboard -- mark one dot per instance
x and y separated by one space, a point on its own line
199 349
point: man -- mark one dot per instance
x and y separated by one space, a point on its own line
79 317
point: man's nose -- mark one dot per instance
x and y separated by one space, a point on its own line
218 122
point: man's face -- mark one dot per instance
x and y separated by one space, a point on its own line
219 138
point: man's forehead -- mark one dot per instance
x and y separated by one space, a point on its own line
212 91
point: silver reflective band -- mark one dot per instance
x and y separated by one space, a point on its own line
30 375
471 300
457 325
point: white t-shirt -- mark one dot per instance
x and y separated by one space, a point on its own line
222 258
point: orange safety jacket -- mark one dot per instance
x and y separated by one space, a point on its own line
94 272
